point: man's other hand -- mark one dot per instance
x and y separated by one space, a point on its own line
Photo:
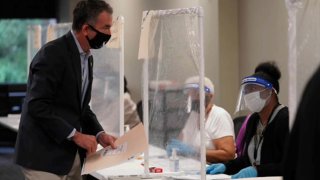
85 141
107 140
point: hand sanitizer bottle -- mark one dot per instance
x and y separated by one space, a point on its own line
174 161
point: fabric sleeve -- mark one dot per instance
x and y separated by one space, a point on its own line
282 131
220 124
131 116
234 166
46 71
91 122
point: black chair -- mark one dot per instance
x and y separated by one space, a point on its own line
238 121
140 110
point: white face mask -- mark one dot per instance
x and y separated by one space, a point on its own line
254 102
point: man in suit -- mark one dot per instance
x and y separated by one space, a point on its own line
58 128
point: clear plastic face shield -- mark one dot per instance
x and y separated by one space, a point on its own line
254 94
192 94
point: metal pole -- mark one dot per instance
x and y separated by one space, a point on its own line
202 107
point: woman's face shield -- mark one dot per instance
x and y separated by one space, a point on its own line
193 97
252 86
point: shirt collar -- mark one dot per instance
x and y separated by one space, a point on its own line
78 45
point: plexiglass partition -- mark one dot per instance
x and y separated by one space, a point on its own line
172 51
304 45
108 79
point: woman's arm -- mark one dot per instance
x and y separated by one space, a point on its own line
225 150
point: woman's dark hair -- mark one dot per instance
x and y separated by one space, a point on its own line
87 11
270 72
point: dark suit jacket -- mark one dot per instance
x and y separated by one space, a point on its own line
52 108
302 152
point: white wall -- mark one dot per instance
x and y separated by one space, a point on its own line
228 54
263 33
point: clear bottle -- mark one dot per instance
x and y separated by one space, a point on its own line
126 128
174 161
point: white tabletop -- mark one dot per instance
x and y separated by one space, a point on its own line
264 178
11 122
133 169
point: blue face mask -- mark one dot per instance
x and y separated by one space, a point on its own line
99 40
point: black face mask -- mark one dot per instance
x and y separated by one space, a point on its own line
100 39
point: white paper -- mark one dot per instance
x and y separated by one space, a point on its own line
12 121
108 151
128 145
132 167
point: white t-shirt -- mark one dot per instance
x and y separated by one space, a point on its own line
131 116
218 124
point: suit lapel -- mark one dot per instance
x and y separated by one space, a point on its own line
75 58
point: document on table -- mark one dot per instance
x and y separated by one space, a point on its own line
128 145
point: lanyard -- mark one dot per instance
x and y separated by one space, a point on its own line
257 142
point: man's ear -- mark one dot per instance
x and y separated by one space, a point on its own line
85 29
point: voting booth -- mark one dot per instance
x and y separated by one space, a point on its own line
171 48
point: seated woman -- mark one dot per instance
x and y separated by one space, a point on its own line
267 128
131 116
219 131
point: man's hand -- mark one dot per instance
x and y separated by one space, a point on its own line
106 140
87 142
